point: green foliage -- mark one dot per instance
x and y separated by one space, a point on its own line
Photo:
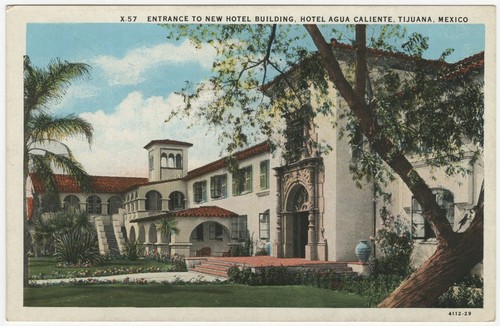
48 226
466 293
44 87
133 250
375 288
77 247
395 243
178 263
168 227
262 74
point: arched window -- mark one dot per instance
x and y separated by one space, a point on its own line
164 163
94 205
176 201
178 161
132 234
71 203
114 203
152 236
171 161
153 201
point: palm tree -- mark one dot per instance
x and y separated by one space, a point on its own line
168 227
44 151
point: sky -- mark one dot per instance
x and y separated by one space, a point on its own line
136 72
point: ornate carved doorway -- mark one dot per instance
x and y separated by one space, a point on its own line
299 224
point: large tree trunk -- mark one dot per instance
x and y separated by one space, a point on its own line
438 273
456 253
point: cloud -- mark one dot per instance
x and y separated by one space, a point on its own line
76 92
120 136
133 67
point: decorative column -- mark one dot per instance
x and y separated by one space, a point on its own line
141 204
104 208
311 237
164 204
278 242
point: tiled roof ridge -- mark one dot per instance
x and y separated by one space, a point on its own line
168 142
460 67
399 55
203 211
223 162
67 183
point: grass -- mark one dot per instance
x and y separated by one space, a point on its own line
189 295
45 267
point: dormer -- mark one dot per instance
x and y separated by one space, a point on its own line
168 159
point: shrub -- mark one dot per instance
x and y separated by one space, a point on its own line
133 250
48 227
77 247
395 243
466 293
178 264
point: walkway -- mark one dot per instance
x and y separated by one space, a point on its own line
149 277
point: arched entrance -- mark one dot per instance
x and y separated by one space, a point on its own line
297 222
213 235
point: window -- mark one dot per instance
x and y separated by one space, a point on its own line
171 161
94 205
153 201
264 226
422 228
264 175
218 186
71 203
294 139
200 191
164 163
178 161
239 228
151 161
197 234
114 203
215 231
176 201
242 181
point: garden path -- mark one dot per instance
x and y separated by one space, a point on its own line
141 277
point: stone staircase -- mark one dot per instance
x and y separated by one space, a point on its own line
220 267
213 267
111 239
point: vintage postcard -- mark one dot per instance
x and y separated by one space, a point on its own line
235 163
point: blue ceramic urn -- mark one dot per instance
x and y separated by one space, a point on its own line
363 251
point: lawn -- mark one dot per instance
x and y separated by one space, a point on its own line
189 295
45 267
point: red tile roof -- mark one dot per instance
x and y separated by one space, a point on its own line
383 53
223 162
168 142
203 211
461 67
100 184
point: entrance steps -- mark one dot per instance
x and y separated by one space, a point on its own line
217 266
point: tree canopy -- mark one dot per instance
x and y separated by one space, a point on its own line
263 73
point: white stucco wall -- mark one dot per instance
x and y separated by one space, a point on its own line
250 204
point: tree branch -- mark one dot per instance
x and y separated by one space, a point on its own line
380 143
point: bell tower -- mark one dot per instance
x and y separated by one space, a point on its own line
167 159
